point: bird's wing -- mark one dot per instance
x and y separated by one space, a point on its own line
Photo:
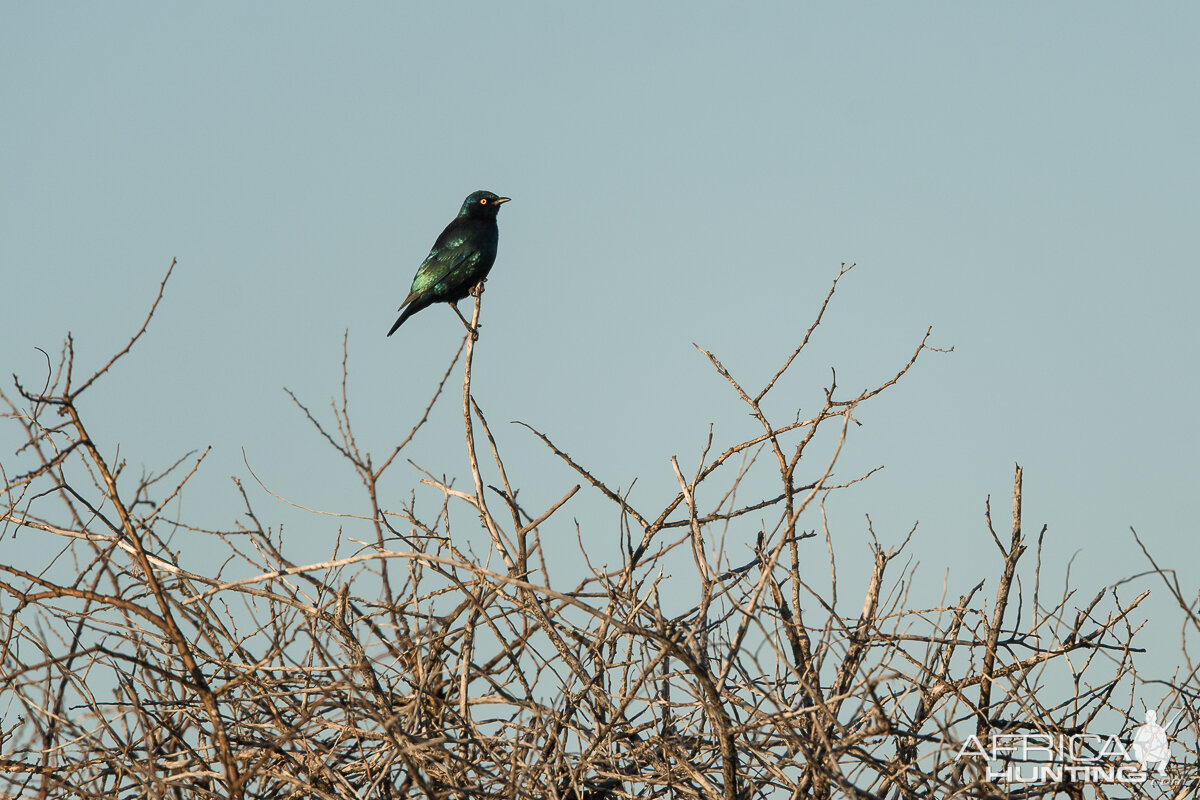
452 251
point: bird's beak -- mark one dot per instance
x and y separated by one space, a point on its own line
503 200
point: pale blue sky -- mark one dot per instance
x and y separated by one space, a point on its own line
1022 177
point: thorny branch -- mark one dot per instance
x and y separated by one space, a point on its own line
413 667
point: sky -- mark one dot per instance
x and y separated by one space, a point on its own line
1022 178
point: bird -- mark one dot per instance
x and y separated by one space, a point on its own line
460 259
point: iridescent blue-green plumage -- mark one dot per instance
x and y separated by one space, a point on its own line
461 257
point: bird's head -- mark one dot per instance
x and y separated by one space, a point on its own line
482 205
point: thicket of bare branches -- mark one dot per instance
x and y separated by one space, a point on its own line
409 665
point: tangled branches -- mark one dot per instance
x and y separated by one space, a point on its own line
413 667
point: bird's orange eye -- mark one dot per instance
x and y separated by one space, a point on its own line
483 201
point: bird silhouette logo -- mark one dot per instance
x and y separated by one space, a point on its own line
1150 744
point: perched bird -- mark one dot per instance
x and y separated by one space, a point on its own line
461 257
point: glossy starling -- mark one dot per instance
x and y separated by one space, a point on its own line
461 257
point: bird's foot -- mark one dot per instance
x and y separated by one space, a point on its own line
473 331
477 289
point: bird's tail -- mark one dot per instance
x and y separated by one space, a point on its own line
409 310
400 321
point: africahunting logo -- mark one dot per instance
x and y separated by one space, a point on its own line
1027 758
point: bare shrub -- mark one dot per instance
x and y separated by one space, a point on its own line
411 668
